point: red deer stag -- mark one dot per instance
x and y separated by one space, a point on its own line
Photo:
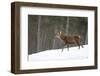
69 40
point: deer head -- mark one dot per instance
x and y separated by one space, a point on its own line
59 34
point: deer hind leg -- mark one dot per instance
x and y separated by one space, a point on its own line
82 46
77 43
68 46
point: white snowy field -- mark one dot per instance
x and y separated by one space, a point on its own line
51 55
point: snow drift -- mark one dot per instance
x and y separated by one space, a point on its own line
50 55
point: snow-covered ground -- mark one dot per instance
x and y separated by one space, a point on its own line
50 55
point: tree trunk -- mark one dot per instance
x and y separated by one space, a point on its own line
38 34
55 31
86 39
67 26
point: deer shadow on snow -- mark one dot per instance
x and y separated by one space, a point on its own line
67 40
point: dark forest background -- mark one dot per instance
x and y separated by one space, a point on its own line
42 31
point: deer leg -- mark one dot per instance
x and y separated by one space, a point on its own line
77 43
82 46
68 46
79 46
63 47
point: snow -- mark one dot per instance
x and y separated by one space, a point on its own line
50 55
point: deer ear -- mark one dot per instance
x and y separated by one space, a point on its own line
60 32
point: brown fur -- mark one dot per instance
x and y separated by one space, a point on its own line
69 39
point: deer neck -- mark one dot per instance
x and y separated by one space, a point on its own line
62 36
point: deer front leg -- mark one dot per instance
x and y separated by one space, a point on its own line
62 49
63 46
